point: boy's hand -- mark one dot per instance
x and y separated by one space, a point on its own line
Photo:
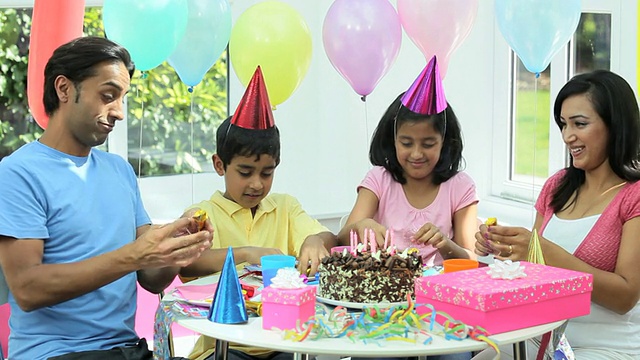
312 252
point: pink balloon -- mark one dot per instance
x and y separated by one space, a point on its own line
362 40
437 27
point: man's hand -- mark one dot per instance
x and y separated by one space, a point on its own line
165 245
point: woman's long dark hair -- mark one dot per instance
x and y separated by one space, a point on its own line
614 101
383 148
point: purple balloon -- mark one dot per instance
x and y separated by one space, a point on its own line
362 40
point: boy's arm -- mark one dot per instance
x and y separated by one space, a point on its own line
212 260
314 249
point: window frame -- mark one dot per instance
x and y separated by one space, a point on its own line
502 188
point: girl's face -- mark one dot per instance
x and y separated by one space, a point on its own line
418 147
584 132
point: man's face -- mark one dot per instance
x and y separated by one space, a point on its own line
247 180
92 108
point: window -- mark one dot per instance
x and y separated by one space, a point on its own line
530 144
163 117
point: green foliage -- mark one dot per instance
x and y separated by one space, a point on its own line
532 133
159 101
17 126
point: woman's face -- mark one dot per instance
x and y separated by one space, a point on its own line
418 147
584 132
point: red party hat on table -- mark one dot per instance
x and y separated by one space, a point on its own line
228 305
254 110
426 94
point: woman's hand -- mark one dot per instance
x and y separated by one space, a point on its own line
504 242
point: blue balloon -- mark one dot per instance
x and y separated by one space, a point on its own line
207 35
149 29
537 29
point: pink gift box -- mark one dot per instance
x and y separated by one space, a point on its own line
545 295
282 308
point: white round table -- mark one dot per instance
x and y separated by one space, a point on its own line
253 334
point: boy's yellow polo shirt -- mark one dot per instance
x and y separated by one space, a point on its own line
280 222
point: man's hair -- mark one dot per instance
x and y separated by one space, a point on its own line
233 141
76 60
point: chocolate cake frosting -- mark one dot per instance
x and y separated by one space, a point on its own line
369 278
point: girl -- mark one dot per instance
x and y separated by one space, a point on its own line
416 189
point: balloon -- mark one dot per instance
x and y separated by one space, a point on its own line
54 23
438 27
275 36
362 40
537 29
149 29
206 36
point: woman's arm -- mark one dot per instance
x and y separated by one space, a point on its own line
618 291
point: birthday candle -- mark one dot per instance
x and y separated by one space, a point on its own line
392 244
352 242
374 243
365 241
386 240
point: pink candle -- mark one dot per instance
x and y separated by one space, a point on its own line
352 241
374 242
365 241
386 240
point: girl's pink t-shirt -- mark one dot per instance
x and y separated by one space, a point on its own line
395 212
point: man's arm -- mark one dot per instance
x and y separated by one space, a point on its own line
35 285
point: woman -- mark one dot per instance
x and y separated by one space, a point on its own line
588 215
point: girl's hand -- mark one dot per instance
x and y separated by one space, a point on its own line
378 230
429 234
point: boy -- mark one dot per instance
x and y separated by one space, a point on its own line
245 216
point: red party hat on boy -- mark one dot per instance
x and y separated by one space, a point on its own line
228 305
254 110
426 94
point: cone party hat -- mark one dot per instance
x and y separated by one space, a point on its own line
426 94
228 303
254 110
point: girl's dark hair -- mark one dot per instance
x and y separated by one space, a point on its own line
383 149
614 101
233 141
76 60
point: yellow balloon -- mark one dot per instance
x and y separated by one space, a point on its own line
275 36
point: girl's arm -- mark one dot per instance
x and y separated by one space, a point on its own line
361 217
465 226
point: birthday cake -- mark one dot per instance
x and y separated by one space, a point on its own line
369 277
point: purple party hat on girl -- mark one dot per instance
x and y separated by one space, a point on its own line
228 305
426 95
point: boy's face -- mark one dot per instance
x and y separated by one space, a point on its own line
246 179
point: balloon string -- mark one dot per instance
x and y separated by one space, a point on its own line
141 119
535 128
193 189
366 125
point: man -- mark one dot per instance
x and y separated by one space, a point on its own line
74 235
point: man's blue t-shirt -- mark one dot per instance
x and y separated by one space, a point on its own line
81 207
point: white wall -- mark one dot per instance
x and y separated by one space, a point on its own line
326 128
